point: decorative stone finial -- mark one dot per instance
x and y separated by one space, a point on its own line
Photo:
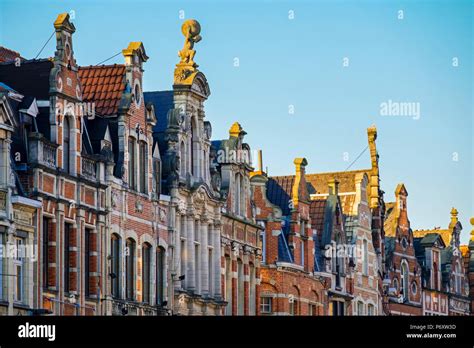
236 130
186 67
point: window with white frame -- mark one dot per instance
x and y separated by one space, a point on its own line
458 278
266 305
370 309
302 252
360 308
263 243
19 269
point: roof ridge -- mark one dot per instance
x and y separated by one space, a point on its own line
101 66
340 172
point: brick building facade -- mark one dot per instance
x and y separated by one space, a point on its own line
129 208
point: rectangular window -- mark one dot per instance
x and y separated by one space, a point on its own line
266 305
45 248
210 272
160 276
365 268
157 176
228 285
146 263
252 293
197 264
67 232
142 156
312 310
115 263
370 309
19 269
2 246
303 228
293 307
130 269
263 245
87 257
360 308
183 262
302 252
240 287
131 164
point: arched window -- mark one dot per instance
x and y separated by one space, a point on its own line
115 265
404 280
160 276
66 144
146 268
130 269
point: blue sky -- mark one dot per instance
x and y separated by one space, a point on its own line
298 62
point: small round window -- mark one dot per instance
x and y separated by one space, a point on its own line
395 283
413 288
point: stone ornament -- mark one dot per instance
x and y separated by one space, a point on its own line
187 68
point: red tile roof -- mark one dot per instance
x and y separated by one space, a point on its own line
7 55
104 86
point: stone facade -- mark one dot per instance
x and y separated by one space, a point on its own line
240 261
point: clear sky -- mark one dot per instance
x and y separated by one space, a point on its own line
291 57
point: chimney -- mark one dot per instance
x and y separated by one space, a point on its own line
300 164
333 186
300 191
135 54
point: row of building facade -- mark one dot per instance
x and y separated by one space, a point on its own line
117 201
